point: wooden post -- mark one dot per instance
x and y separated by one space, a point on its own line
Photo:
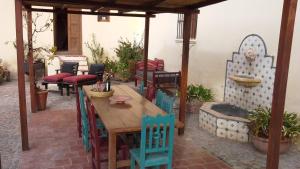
184 67
30 62
280 84
21 77
146 46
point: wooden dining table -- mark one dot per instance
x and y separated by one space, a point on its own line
122 118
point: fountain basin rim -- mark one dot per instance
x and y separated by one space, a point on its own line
206 107
246 81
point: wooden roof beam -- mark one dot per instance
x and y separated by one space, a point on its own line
89 4
202 4
90 13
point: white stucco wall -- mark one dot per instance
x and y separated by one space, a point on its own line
221 29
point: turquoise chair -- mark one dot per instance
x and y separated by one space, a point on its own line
168 103
84 122
141 88
159 98
156 149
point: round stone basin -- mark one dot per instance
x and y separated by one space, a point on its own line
230 110
224 120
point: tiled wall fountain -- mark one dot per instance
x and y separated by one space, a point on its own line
249 83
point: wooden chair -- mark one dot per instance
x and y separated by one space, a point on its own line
168 103
67 69
141 88
84 122
99 143
150 93
95 74
156 146
159 98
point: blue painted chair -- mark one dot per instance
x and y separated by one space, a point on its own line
168 103
141 88
156 149
159 98
84 122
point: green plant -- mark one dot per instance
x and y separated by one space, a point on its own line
260 122
110 65
199 93
123 70
128 51
96 50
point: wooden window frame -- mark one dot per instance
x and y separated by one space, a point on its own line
180 21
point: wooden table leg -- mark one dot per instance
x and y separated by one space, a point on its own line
112 150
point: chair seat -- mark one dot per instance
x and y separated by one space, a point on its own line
79 78
151 159
57 77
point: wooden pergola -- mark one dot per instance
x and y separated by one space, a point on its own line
150 8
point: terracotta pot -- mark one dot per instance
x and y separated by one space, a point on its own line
261 144
41 99
193 107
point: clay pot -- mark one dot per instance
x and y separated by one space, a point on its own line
261 144
193 107
41 99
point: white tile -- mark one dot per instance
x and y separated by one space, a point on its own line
222 123
242 137
242 127
232 125
221 133
232 135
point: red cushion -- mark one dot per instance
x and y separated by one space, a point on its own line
152 65
57 77
79 78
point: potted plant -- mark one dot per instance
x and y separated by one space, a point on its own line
128 53
41 97
196 96
259 129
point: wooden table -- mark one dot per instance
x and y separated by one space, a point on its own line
122 118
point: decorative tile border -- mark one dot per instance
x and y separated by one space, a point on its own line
222 125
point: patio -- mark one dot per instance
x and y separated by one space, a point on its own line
55 142
51 136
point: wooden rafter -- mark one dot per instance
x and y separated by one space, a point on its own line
87 4
90 13
204 3
154 3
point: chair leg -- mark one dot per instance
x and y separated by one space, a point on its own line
61 89
68 89
46 86
169 166
132 163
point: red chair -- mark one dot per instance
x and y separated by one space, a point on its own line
99 144
150 94
67 69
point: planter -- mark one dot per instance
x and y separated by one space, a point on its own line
261 144
193 107
41 99
38 67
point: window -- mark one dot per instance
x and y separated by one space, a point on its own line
61 30
180 23
104 18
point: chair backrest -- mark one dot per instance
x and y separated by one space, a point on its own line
141 88
168 103
83 111
69 67
95 69
150 92
159 98
157 135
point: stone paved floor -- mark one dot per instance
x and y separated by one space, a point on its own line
55 144
237 155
